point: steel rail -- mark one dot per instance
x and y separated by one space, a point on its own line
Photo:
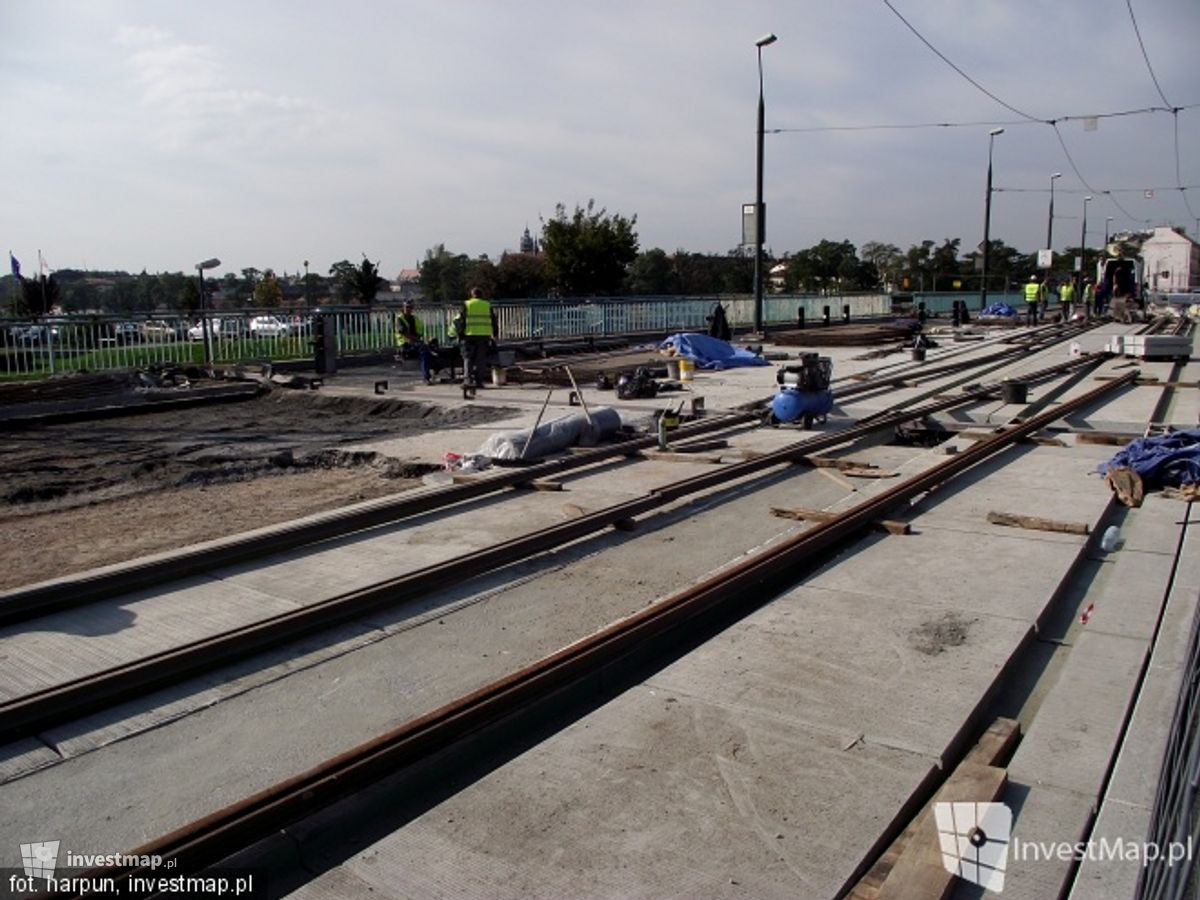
36 600
738 589
40 599
22 715
56 703
25 603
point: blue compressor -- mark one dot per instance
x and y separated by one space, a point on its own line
803 391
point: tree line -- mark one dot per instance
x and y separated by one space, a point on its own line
587 252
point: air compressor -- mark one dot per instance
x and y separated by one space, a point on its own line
803 390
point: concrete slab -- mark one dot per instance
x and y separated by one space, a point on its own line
1131 598
23 756
1044 818
1105 874
1140 758
749 805
1072 739
1008 576
49 650
800 660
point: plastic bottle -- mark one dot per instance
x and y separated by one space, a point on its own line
1108 543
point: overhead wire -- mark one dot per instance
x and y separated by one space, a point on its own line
1174 110
1053 123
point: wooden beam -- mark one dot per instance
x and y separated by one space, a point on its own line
912 866
1104 437
1015 520
802 513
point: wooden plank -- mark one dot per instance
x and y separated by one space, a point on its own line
873 472
1015 520
993 749
843 463
803 513
672 456
919 873
1104 437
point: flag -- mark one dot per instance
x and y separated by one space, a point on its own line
14 264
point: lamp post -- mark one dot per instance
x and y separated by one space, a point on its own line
1050 218
200 267
987 220
1106 221
307 299
1083 245
759 224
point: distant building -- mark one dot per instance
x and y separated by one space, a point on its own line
1172 261
407 285
528 244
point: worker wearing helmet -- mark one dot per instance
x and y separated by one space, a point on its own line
1033 296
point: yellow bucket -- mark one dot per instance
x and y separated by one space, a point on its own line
687 369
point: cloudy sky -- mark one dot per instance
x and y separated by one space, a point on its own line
151 134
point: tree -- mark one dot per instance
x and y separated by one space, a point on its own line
651 274
823 267
41 294
886 258
268 292
189 296
521 275
444 276
590 252
361 282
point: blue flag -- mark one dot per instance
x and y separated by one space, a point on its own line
15 264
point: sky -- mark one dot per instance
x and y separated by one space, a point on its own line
153 134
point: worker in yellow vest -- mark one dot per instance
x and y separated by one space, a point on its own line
477 329
410 341
1033 295
1066 296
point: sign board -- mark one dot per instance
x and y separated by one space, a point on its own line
749 220
1079 264
1045 259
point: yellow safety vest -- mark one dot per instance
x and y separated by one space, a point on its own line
478 318
1031 292
1066 293
414 331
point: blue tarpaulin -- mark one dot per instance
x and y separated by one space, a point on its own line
1168 459
711 353
999 310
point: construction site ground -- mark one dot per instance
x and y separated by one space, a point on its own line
769 762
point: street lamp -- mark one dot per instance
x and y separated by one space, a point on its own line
759 210
1106 221
200 267
307 299
1083 245
987 220
1050 218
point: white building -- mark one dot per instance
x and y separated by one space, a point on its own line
1172 261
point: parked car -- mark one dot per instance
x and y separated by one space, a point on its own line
196 332
125 332
269 326
34 335
161 330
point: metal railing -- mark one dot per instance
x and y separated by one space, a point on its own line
77 343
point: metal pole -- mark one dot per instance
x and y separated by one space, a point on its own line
204 321
1050 218
1083 245
987 220
759 223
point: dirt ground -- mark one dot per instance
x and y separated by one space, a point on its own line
85 494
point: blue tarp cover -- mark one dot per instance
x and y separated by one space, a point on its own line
711 353
999 309
1168 459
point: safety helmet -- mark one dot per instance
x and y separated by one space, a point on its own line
1033 278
